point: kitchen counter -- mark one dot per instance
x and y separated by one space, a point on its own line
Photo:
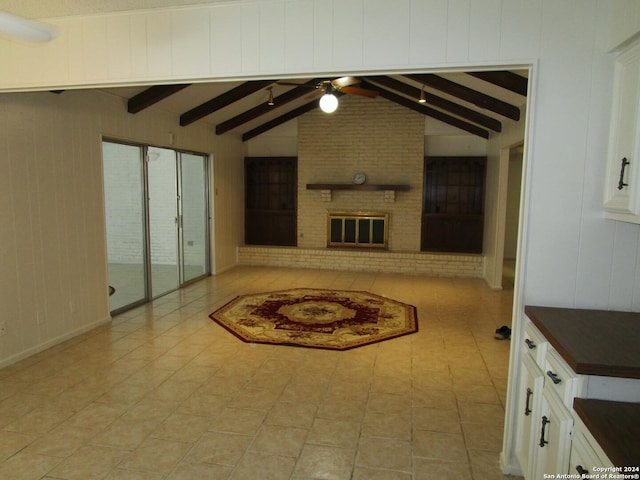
614 425
592 342
601 343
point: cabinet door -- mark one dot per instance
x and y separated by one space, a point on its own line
270 200
453 204
529 407
552 437
622 192
583 457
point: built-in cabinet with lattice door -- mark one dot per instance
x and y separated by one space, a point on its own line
453 204
270 200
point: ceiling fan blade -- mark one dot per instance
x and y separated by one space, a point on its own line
363 92
344 82
22 29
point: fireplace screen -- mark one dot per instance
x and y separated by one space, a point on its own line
357 229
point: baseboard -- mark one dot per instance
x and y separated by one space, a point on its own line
510 468
5 362
224 269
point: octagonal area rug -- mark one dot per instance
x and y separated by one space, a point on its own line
316 318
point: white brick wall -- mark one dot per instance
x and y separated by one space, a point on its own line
377 137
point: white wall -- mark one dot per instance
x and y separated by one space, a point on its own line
572 256
281 141
514 188
53 278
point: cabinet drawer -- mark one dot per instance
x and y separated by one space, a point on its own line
560 377
534 343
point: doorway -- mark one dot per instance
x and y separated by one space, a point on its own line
512 216
156 208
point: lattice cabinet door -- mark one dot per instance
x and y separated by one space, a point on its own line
270 200
453 204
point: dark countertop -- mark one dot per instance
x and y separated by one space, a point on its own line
592 342
614 425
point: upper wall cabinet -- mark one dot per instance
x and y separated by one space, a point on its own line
622 191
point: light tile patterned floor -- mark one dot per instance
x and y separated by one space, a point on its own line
165 393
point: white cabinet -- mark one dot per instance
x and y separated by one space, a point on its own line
544 422
552 435
529 396
586 454
579 373
622 191
529 406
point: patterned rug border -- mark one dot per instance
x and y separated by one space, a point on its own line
411 310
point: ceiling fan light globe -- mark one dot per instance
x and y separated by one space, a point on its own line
328 103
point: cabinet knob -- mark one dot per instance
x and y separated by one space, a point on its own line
554 378
623 164
581 470
530 344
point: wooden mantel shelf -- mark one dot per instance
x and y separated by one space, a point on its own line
351 186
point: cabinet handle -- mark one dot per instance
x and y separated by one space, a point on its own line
581 470
554 378
545 422
527 410
623 165
530 344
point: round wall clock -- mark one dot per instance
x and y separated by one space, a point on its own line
359 178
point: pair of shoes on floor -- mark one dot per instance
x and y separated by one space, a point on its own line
503 333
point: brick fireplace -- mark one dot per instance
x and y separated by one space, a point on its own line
386 142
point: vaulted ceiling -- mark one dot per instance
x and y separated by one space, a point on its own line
478 102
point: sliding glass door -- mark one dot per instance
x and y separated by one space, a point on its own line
163 198
125 218
157 221
194 216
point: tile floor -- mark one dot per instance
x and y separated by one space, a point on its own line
165 393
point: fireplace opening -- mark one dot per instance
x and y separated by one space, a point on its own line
357 229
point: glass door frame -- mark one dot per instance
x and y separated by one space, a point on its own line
144 158
207 216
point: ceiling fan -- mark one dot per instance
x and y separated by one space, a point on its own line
19 28
328 88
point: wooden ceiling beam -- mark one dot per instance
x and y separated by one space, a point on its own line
223 100
505 79
290 115
263 108
430 112
442 103
151 96
468 95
